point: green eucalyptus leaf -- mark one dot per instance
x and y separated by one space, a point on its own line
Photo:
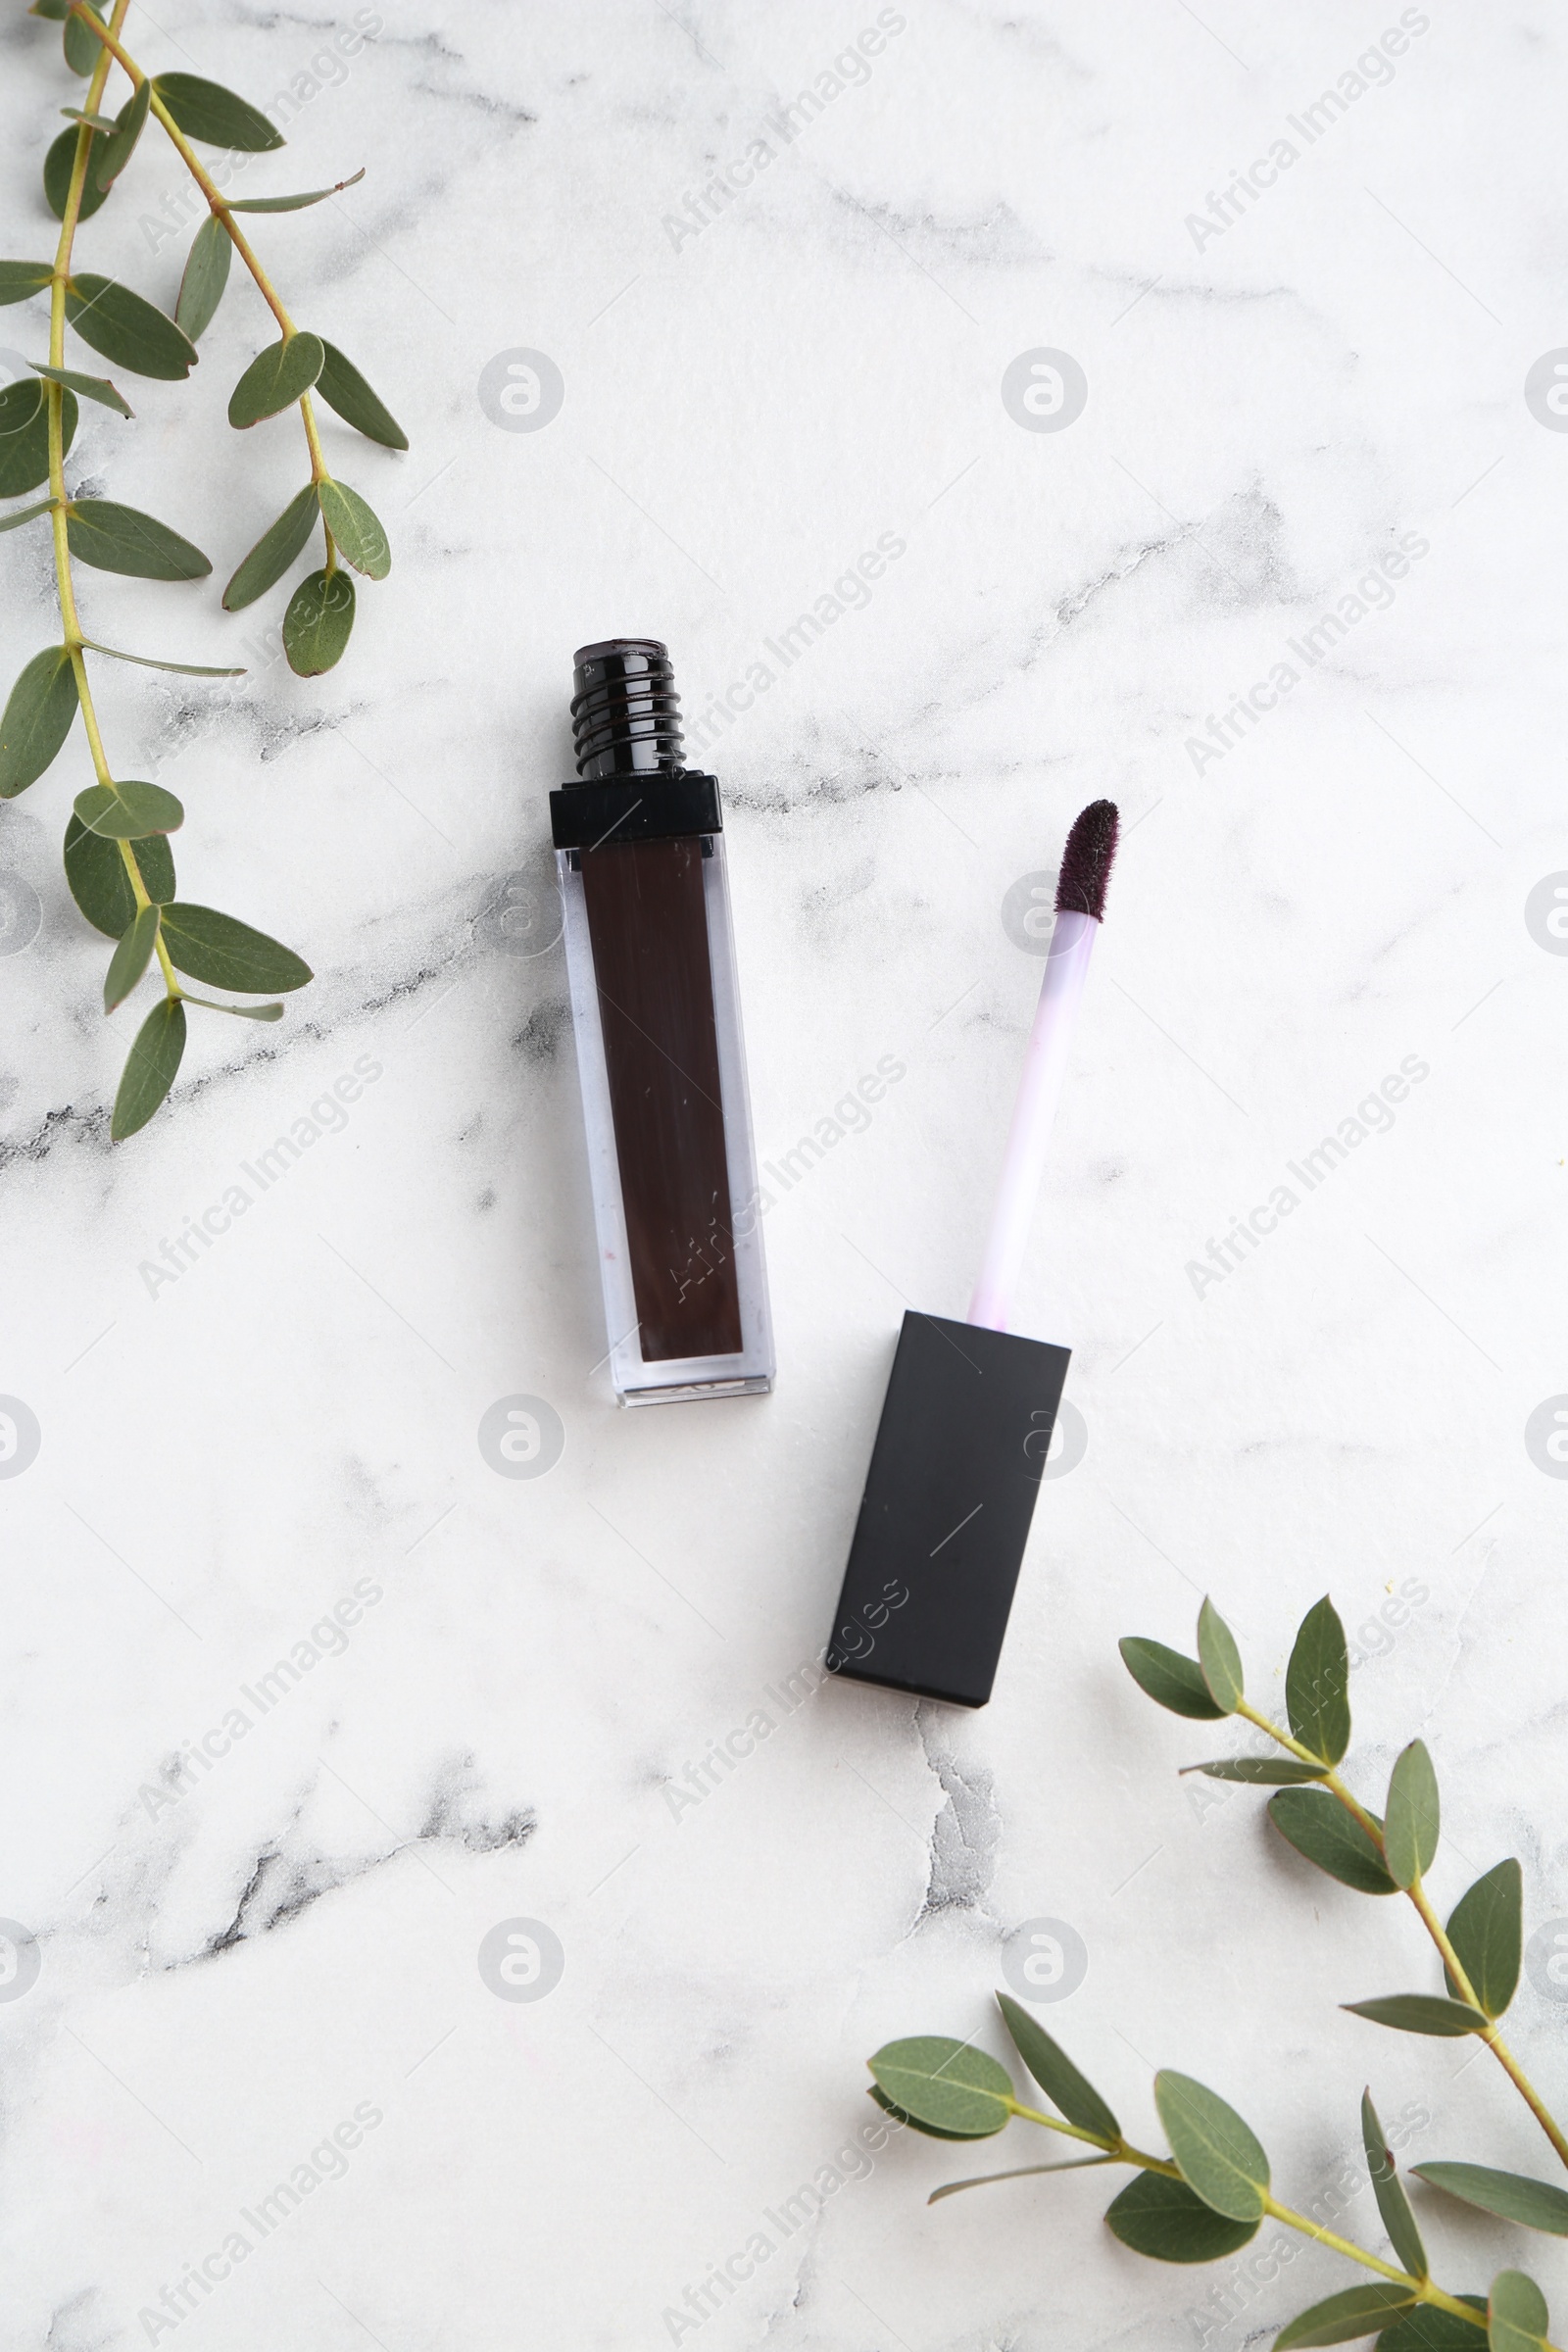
91 387
1215 2153
913 2122
1341 2319
58 167
357 531
1024 2172
83 46
276 379
13 522
215 948
344 388
99 883
128 328
1319 1828
1064 2086
295 204
131 957
184 669
939 2080
240 1012
1317 1683
80 113
151 1070
1392 2203
1512 2197
1420 2013
204 111
1263 1772
1487 1931
318 622
1162 2218
1517 2317
25 436
129 812
206 275
1430 2330
1170 1679
121 145
55 9
1219 1659
274 550
1410 1825
20 281
115 538
37 719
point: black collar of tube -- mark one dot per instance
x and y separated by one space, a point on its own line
657 807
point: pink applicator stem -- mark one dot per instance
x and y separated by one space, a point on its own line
1080 907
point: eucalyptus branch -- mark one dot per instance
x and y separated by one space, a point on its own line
220 212
1459 1976
1482 1945
53 394
1210 2196
118 864
1206 2199
1122 2151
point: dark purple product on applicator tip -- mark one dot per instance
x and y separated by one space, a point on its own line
1086 861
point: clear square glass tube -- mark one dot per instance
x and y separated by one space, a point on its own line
655 1010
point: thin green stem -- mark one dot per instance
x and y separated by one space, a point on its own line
1429 1919
1054 2123
1422 2290
54 396
1491 2037
1122 2151
1346 2246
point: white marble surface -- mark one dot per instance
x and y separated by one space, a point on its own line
1273 405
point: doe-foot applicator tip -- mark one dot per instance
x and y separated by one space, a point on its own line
1086 861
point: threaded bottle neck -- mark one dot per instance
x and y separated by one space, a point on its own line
625 713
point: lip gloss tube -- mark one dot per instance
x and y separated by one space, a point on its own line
656 1009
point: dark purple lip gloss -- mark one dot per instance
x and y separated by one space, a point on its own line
655 1007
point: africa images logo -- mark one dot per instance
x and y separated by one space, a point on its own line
521 390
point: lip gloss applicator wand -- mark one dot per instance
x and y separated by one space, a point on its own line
970 1407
